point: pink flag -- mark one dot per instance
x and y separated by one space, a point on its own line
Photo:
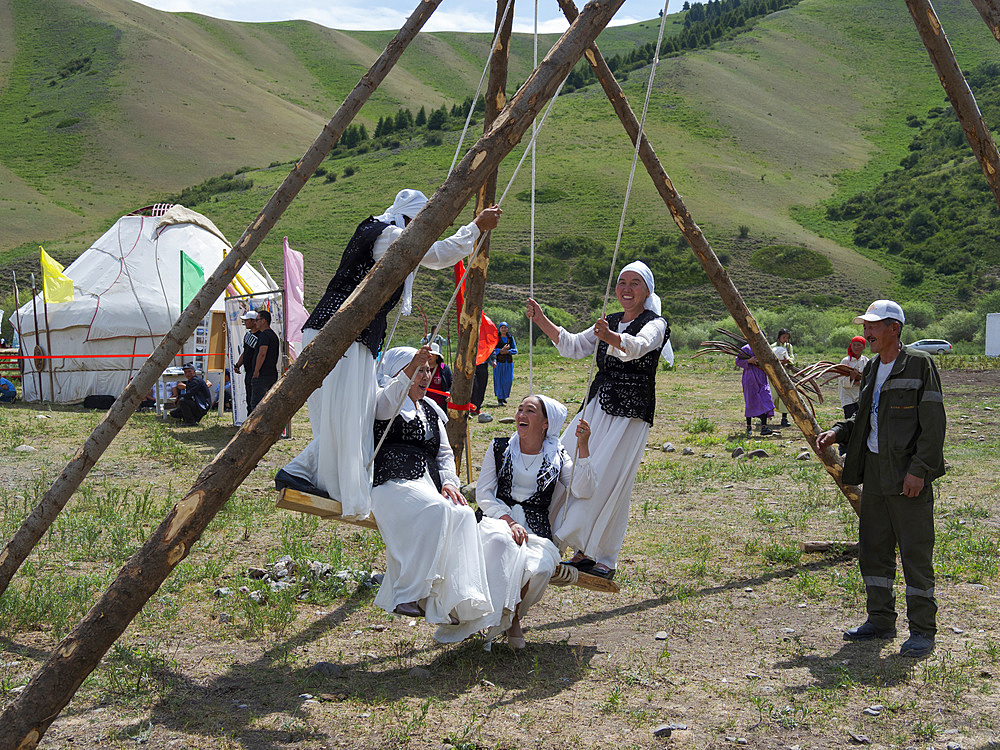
295 315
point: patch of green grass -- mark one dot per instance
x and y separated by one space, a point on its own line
791 262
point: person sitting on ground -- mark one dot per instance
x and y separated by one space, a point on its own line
520 477
193 399
434 557
757 401
619 408
8 392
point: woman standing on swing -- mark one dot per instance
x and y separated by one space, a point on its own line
619 408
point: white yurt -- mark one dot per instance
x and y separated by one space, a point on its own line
127 296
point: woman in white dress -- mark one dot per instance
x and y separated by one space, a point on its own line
519 477
336 461
620 409
434 556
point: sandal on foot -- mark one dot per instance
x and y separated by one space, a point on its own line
516 642
409 609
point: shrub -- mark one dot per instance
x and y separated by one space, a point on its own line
349 171
841 336
434 139
911 275
791 262
919 314
331 177
744 231
68 122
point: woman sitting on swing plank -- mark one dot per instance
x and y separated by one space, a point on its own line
520 475
434 557
336 463
620 409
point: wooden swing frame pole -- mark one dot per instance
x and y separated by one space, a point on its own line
48 508
713 268
467 346
957 88
990 11
25 720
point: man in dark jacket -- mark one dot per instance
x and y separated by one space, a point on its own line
895 445
194 400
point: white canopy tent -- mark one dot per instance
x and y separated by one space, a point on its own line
126 298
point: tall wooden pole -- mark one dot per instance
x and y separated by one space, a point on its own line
475 281
713 268
48 343
55 499
959 93
990 11
38 363
24 722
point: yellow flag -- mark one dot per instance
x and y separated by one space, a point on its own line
56 286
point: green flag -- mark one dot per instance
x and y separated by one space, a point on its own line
192 279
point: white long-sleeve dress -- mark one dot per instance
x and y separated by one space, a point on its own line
336 459
596 525
518 574
433 551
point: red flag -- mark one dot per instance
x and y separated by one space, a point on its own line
488 333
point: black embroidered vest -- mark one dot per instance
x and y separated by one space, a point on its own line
627 389
355 264
407 451
536 507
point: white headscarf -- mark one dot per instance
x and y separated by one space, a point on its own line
555 413
394 361
407 204
652 301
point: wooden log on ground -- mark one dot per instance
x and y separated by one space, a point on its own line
56 497
713 268
957 88
331 510
471 313
24 722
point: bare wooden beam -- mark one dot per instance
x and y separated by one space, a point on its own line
959 93
713 268
990 11
24 722
475 280
55 499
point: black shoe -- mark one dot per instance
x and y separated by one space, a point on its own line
765 430
583 565
784 422
284 480
868 631
602 572
917 645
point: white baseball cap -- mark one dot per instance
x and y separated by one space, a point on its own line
249 315
881 309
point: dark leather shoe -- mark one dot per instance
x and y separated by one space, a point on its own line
917 645
283 480
868 631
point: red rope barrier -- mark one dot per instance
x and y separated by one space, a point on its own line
103 356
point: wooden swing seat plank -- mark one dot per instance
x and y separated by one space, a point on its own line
331 510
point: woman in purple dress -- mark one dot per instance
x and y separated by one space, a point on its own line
756 392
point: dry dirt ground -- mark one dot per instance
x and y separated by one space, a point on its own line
722 627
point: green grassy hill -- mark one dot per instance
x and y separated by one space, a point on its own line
109 105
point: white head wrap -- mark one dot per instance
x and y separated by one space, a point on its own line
407 204
393 361
652 301
555 413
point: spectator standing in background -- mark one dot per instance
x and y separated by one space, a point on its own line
782 349
503 369
265 370
249 353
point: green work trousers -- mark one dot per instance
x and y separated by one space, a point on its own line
888 521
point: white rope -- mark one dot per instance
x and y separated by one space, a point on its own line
618 240
531 262
475 252
458 148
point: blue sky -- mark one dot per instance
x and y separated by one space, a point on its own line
452 15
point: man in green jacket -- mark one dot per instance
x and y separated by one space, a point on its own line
895 448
